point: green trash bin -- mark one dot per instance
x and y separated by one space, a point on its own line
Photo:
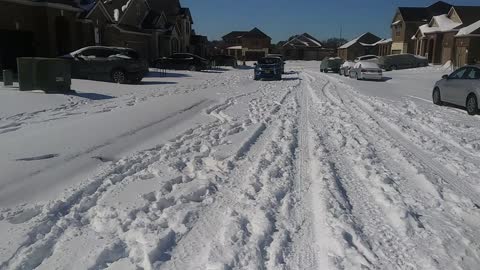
51 75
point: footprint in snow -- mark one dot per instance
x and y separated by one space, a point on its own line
43 157
24 215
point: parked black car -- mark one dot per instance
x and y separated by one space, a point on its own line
402 61
268 68
222 60
182 61
115 64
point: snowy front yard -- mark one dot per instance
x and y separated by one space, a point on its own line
212 170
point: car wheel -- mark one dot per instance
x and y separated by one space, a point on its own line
192 68
393 67
119 76
437 97
472 105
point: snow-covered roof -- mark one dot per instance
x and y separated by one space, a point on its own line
235 48
441 23
303 40
468 30
396 22
384 41
351 42
445 23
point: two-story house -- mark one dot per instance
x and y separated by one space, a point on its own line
248 45
154 28
447 37
406 22
51 28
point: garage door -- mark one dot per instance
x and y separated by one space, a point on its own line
14 44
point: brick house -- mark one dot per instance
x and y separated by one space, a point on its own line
154 28
304 47
38 28
362 45
250 45
437 40
50 28
406 22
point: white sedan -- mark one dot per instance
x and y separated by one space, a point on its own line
366 71
461 88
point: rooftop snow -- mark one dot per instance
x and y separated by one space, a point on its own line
469 29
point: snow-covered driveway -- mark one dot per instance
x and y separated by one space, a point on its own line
217 171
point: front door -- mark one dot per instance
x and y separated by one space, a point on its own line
461 57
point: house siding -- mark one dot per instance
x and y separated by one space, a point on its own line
37 31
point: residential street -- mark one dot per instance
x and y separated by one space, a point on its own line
213 170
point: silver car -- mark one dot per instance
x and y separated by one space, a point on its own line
461 88
366 71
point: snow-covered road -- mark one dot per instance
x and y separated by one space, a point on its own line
216 171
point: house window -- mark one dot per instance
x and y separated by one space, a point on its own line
398 30
97 36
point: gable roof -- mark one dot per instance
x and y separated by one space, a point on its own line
254 33
114 8
424 14
441 23
185 12
468 14
99 5
303 40
235 34
361 39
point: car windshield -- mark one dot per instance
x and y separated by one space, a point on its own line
268 61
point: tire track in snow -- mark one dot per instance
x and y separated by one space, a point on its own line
335 135
427 215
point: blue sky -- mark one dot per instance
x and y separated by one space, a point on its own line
281 19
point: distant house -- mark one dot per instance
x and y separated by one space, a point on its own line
407 20
304 47
250 45
450 36
362 45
